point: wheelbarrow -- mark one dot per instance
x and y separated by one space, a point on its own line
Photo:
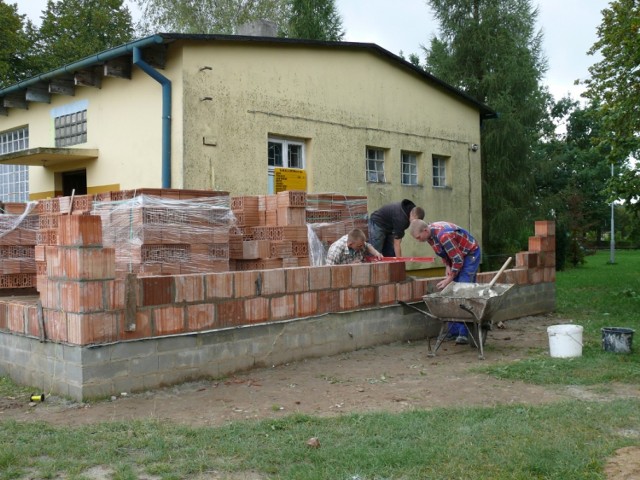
470 303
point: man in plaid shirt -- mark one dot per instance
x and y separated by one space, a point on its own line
351 248
459 252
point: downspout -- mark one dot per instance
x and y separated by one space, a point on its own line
166 113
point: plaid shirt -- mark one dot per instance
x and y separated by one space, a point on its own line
452 243
339 253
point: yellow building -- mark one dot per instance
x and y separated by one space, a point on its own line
223 112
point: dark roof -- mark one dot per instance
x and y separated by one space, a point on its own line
162 39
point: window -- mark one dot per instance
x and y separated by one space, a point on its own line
283 153
294 157
14 183
14 179
439 171
375 165
14 140
71 129
409 166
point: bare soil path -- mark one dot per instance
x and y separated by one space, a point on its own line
390 378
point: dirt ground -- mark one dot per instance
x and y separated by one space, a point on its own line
390 378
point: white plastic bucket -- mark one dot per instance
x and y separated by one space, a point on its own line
565 341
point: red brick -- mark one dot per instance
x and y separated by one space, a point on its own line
115 294
545 228
367 296
386 294
82 297
361 275
297 279
283 307
92 328
549 274
33 324
78 230
3 315
420 288
189 288
535 275
349 299
55 325
156 291
379 273
328 301
273 282
319 278
397 272
168 320
256 310
247 284
201 317
542 244
219 285
547 259
306 304
231 313
527 259
340 276
404 291
143 326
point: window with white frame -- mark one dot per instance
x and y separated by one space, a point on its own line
14 140
14 183
14 179
283 153
409 168
71 128
375 165
439 171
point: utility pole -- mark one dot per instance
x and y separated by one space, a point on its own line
612 253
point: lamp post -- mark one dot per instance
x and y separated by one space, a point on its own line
612 253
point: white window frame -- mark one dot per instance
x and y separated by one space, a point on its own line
292 148
14 140
374 159
408 168
439 171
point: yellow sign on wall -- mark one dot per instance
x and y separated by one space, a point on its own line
290 179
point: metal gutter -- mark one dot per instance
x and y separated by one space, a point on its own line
85 62
166 113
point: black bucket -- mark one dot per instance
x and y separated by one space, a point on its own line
617 339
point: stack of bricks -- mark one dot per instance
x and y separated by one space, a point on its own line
333 215
270 232
49 212
18 227
79 295
167 231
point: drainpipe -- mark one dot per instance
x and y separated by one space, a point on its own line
166 113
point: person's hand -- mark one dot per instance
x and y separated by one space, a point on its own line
377 255
443 283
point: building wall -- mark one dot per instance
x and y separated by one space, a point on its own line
229 97
338 102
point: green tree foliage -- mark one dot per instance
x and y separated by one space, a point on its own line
615 86
15 43
571 178
209 16
74 29
489 49
316 20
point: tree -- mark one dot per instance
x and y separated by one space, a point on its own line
15 44
571 178
74 29
316 20
489 49
209 16
615 86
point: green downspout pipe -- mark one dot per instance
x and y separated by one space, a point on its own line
134 47
166 113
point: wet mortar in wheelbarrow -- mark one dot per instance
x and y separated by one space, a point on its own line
473 304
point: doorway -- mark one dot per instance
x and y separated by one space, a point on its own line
76 180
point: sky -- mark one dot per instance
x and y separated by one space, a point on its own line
569 28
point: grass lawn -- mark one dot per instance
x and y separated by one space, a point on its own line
568 440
